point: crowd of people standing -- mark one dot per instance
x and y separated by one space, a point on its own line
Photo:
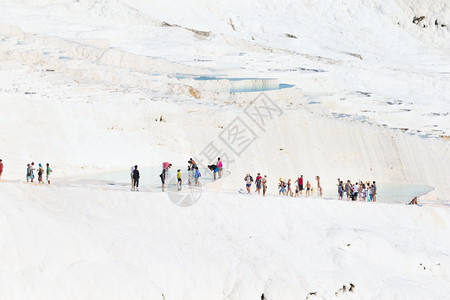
362 191
40 172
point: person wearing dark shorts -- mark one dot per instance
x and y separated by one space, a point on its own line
163 178
136 177
300 184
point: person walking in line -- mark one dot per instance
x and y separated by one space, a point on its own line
220 166
258 183
32 171
248 182
47 173
197 176
179 179
319 187
308 189
264 184
1 169
40 173
136 177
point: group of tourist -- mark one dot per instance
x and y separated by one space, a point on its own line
285 187
40 172
362 191
193 171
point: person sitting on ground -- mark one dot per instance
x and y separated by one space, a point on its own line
413 201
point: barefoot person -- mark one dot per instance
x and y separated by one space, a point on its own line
341 190
40 173
319 187
197 176
374 192
264 184
28 172
47 173
413 201
348 189
179 179
131 176
214 169
300 184
163 178
136 177
308 189
289 189
220 166
248 182
258 182
32 171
